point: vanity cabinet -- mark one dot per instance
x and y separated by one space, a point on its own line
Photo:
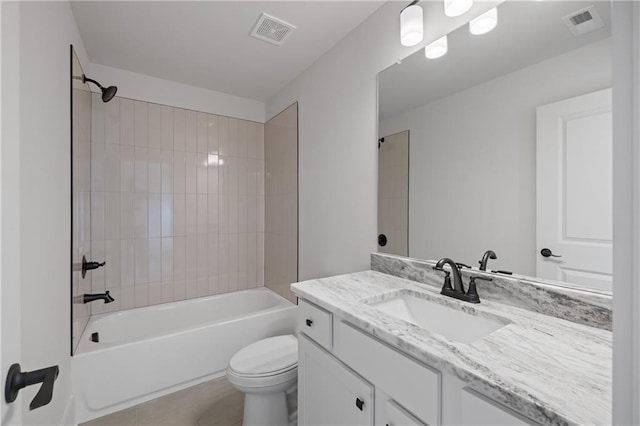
478 410
330 393
347 377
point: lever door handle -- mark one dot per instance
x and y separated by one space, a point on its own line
17 379
545 252
359 404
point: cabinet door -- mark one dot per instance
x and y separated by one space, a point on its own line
328 392
478 410
398 416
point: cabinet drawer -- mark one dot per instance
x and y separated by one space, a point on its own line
479 410
413 385
397 416
316 323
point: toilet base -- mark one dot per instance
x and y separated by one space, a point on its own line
266 409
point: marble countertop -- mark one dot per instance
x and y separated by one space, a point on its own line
550 370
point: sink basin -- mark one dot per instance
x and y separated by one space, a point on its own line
451 323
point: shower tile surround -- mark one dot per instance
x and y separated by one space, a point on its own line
578 306
176 203
81 196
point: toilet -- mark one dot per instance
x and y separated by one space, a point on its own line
267 373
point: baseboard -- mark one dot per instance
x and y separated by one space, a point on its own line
69 416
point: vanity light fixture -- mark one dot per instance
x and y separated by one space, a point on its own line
436 49
485 22
411 25
453 8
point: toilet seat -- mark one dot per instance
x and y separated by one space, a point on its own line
265 363
266 357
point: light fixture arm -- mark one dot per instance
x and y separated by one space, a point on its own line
413 3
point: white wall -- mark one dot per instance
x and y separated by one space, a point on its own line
626 213
10 346
473 160
145 88
338 138
46 31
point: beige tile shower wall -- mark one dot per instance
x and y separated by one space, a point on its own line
281 208
177 203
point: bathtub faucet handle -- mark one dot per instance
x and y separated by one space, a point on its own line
89 266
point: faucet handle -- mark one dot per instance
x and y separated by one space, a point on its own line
472 293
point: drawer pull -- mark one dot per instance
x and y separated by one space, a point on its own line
359 403
309 322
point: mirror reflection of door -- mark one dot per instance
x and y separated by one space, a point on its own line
574 191
393 194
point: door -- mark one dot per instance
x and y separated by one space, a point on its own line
393 194
328 392
574 191
10 342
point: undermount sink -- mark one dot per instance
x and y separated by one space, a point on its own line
451 323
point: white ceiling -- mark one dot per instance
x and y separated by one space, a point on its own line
207 44
527 33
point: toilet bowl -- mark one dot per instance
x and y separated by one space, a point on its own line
266 372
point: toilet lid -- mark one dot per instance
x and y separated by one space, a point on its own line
266 357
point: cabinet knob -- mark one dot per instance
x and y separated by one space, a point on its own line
359 403
309 322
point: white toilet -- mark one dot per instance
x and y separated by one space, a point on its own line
267 372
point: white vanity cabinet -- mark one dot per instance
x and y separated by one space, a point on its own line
328 392
347 377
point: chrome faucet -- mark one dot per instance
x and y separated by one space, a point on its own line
489 254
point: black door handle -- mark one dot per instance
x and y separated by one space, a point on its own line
359 403
308 322
88 266
16 380
382 240
545 252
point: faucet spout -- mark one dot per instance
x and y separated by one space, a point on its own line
457 279
87 298
489 254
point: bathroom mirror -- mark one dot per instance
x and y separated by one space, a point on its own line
504 144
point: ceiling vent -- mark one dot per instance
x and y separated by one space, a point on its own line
583 21
271 29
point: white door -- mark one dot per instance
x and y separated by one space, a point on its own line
574 191
10 342
328 392
393 194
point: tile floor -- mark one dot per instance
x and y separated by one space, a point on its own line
213 403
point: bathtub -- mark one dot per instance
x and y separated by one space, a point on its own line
148 352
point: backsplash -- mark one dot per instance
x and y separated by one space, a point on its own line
177 203
582 307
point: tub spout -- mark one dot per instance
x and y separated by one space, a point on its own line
103 296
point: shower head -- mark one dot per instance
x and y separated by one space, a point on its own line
107 93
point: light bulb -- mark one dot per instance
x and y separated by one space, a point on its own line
411 25
484 23
436 49
454 8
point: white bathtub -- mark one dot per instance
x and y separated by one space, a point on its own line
148 352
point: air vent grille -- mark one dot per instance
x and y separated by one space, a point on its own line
581 17
583 21
272 30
